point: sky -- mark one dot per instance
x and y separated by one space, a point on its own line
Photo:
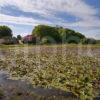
23 15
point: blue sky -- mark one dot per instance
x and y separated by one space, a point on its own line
23 15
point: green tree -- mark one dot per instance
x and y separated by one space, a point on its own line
14 40
5 31
70 36
19 37
42 31
58 34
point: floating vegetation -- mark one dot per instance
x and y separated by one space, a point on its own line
60 68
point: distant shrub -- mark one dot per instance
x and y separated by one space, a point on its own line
89 41
98 41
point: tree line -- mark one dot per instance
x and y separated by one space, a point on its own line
45 34
49 34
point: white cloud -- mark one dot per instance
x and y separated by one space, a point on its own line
48 8
91 33
75 7
21 20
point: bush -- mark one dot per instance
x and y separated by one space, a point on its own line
89 41
73 39
47 40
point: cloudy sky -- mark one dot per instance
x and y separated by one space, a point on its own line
23 15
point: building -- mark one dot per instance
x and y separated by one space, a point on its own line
2 41
6 40
29 39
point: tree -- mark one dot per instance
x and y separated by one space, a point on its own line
19 37
14 40
42 31
58 34
5 31
70 36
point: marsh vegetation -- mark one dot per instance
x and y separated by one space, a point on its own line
68 68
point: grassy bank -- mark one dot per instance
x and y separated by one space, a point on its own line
53 45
